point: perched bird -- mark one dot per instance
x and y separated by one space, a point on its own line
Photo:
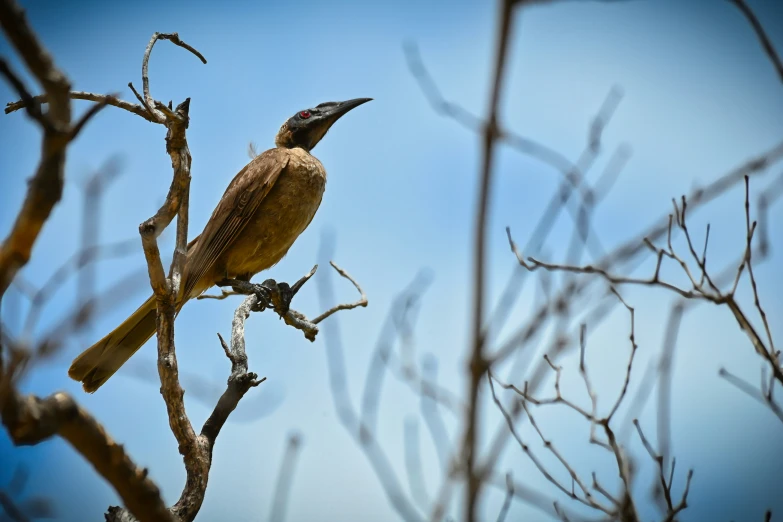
264 209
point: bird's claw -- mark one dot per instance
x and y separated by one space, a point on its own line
285 295
272 294
264 293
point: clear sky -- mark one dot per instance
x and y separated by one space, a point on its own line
700 98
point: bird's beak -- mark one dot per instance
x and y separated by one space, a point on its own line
336 112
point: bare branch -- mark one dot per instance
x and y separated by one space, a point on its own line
32 105
665 485
507 501
472 122
432 417
478 364
748 261
240 381
749 390
30 420
45 188
87 116
575 178
761 34
173 38
365 438
587 498
285 478
361 302
634 346
12 510
413 463
105 99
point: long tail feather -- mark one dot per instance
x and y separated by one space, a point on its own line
102 360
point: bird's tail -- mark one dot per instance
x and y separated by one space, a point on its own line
96 364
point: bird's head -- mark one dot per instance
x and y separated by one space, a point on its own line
306 128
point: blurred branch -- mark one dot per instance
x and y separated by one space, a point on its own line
702 284
206 391
352 422
23 510
625 254
630 249
474 123
524 494
413 463
747 388
478 363
509 496
46 186
761 34
430 412
285 478
85 257
82 265
621 507
30 420
725 276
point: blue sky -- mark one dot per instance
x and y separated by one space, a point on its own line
699 98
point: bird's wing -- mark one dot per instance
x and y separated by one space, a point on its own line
238 204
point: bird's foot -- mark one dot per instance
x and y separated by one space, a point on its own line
272 294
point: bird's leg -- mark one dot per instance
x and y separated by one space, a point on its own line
270 293
283 293
285 296
275 295
264 292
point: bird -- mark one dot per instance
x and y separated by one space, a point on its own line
265 208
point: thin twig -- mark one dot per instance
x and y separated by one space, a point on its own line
761 34
507 501
285 478
749 390
361 302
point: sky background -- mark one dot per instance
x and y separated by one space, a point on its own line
700 97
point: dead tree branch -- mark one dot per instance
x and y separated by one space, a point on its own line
702 286
478 364
278 296
30 420
46 186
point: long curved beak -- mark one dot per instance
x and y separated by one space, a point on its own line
336 112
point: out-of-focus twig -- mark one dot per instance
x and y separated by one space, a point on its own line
761 34
30 420
285 478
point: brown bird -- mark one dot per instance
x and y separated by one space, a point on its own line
264 209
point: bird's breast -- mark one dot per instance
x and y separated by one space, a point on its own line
282 216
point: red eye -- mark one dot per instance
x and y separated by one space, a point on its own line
304 114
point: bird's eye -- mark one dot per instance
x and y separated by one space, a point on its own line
304 115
